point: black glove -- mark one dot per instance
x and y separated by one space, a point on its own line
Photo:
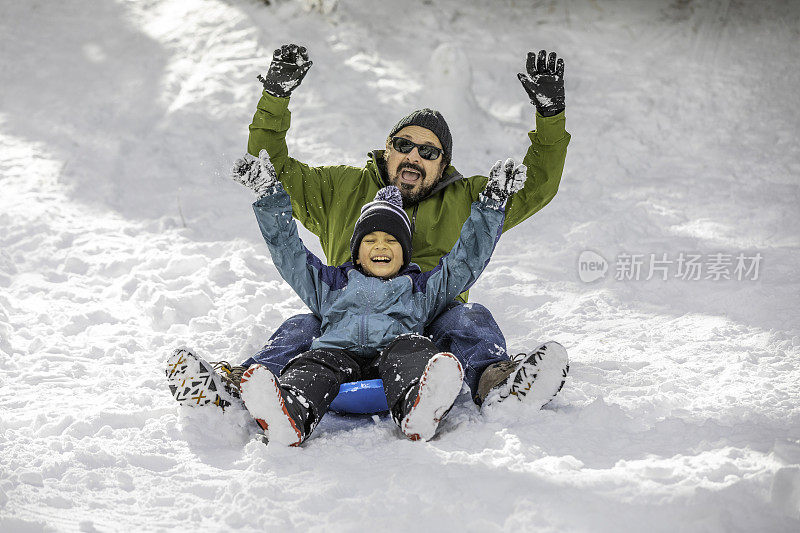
255 173
544 82
289 66
504 180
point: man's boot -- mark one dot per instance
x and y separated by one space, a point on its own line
194 381
533 378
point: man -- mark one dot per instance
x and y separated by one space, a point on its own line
437 198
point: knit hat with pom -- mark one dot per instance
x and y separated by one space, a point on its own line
432 120
385 213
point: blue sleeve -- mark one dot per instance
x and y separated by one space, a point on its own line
459 269
311 279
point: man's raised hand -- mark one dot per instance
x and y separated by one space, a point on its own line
255 173
504 180
544 82
289 66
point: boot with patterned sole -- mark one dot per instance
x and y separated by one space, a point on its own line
534 378
194 381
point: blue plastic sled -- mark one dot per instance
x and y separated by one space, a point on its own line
361 397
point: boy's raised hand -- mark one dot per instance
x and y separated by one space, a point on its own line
255 173
504 180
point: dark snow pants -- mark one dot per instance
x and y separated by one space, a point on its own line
317 374
468 331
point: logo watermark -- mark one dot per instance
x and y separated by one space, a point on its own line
591 266
687 266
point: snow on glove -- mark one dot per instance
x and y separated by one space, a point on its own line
255 173
544 82
289 66
504 180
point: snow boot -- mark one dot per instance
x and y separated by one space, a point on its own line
281 413
533 378
425 404
194 381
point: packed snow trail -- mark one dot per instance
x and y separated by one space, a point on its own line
121 238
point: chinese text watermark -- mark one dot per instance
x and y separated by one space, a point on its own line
686 266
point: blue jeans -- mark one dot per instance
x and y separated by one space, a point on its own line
468 331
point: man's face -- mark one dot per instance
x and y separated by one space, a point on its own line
380 254
410 173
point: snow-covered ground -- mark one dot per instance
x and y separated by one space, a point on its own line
121 238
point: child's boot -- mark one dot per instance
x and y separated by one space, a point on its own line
194 381
533 378
283 415
425 405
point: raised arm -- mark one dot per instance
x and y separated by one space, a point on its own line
543 82
458 270
310 278
310 188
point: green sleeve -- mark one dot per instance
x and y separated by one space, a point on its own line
545 162
310 188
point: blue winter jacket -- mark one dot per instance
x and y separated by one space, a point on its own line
363 314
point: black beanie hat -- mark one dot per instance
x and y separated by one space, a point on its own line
429 119
385 213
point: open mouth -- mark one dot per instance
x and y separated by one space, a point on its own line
380 259
409 175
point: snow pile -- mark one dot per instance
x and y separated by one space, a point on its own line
121 238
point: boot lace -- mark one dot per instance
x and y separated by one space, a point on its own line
231 375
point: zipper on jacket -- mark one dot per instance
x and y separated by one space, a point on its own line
363 332
364 319
414 219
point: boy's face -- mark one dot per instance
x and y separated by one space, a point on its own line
380 254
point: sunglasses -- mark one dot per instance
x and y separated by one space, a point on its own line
425 151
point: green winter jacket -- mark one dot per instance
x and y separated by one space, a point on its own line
327 199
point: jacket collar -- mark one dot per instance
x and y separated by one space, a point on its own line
411 268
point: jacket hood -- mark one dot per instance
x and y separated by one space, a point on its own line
451 175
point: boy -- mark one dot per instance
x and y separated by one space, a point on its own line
373 309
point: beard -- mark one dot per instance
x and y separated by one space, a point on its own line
412 193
